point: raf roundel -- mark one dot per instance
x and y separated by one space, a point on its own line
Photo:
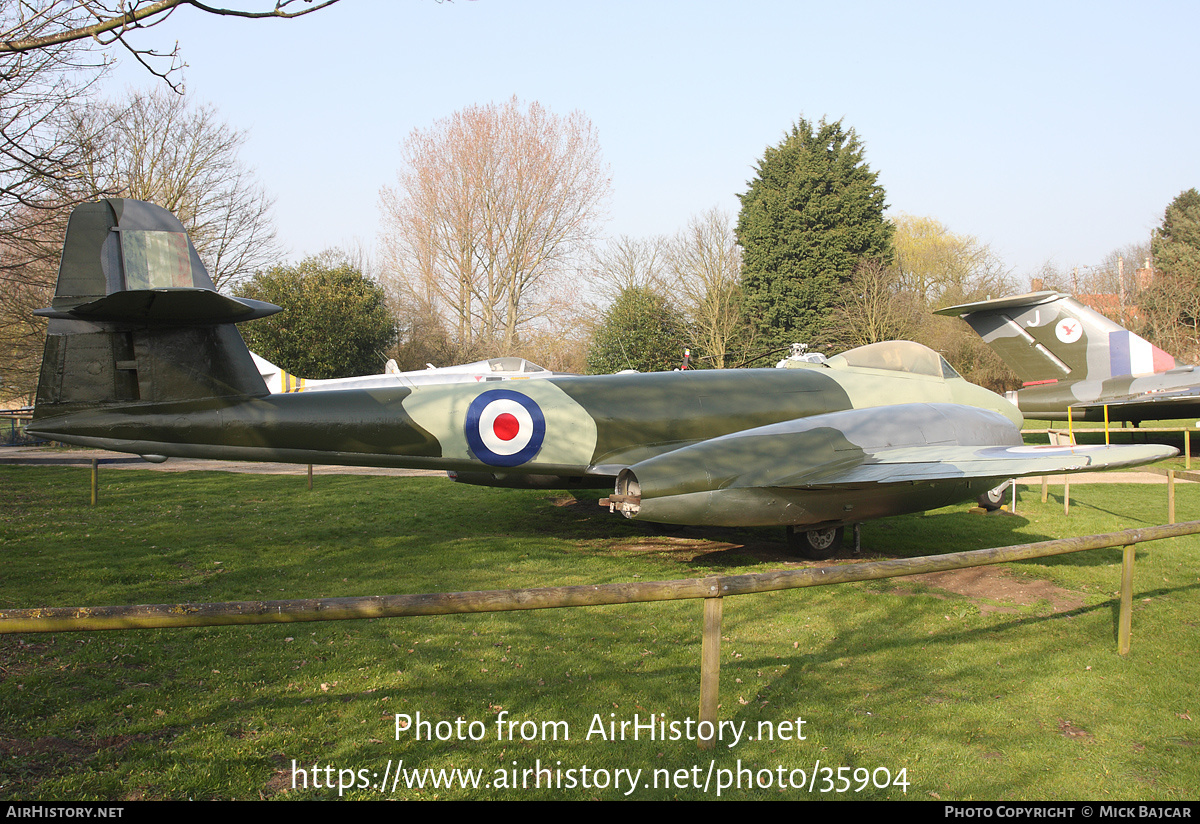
504 428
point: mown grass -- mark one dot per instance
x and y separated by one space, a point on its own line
1031 703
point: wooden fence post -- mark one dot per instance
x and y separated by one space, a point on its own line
1170 496
95 480
1125 619
710 669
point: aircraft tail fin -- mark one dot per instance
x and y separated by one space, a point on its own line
1050 336
277 379
136 318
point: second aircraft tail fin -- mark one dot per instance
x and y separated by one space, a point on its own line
1051 336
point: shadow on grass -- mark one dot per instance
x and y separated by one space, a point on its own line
974 705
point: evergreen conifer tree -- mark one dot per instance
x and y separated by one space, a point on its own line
1176 245
812 213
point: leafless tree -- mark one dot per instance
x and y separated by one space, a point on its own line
628 262
52 54
42 149
1115 275
33 26
874 306
705 264
30 245
1169 315
493 206
159 148
42 156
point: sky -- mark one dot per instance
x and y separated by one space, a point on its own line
1053 132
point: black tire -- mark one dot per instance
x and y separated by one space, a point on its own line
815 544
993 499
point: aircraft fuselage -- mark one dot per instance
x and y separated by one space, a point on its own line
586 422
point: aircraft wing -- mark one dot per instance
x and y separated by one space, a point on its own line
938 463
849 466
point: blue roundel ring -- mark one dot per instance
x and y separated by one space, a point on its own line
504 428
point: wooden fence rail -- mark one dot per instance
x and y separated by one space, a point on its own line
712 589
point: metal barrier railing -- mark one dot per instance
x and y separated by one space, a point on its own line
12 427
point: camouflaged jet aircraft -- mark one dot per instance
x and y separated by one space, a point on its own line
143 356
1070 356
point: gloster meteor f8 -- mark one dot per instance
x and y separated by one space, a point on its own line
143 356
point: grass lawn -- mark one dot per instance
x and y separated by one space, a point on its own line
1005 685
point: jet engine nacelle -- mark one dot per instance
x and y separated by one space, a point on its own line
815 470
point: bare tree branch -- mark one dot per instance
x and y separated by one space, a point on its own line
184 158
53 53
492 206
706 262
116 18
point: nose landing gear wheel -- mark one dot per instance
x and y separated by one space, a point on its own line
816 544
993 499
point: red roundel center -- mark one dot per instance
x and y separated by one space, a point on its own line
506 426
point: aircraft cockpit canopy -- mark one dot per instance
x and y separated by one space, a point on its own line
896 356
513 365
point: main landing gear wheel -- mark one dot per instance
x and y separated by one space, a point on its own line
817 544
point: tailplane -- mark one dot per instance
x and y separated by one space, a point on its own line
1049 336
136 318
